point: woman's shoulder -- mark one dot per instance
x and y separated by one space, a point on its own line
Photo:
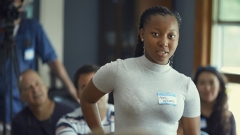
180 76
121 63
231 116
127 60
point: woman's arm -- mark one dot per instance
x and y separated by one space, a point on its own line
191 126
88 99
180 129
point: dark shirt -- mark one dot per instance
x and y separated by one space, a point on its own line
25 123
218 130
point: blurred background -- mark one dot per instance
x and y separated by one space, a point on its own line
100 31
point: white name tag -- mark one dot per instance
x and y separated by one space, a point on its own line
29 54
165 98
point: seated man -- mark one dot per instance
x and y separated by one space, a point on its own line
74 123
41 114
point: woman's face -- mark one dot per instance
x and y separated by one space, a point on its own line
208 86
160 34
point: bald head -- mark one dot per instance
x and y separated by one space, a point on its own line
27 76
32 89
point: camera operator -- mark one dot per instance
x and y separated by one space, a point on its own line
31 42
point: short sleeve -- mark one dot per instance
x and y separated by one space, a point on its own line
44 47
192 101
106 77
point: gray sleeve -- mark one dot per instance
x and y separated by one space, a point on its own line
192 101
105 78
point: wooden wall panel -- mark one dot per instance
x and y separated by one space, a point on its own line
203 33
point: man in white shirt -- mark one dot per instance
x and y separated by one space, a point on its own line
74 123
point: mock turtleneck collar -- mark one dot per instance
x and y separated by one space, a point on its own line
153 66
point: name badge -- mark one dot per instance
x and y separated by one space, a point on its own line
203 123
29 54
165 98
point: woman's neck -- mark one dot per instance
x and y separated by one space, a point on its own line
44 111
207 108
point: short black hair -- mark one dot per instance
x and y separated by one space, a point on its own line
83 70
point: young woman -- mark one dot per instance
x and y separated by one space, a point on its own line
216 119
148 93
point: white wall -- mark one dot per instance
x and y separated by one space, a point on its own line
51 18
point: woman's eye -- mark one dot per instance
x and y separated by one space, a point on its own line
201 83
155 34
171 36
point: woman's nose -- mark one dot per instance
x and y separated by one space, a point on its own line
163 42
208 87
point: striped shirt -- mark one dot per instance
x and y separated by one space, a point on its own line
74 123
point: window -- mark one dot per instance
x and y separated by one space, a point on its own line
233 91
226 36
225 51
31 9
229 10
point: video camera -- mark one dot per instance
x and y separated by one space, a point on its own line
8 11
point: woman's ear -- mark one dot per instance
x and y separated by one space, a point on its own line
141 34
